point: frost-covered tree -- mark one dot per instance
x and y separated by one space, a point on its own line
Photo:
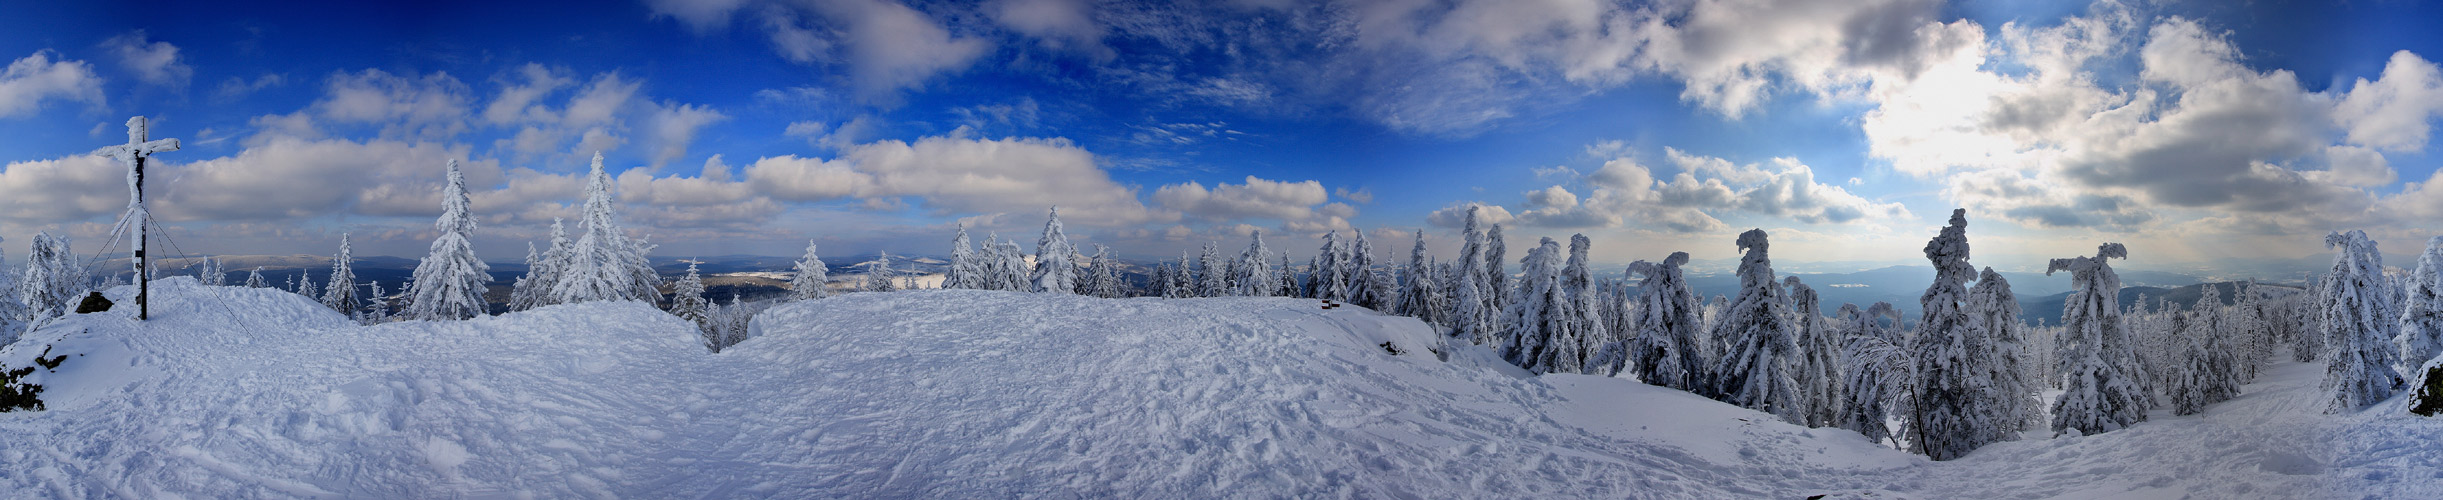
1254 272
991 266
450 281
1420 296
1957 396
1759 371
730 322
1819 361
2248 316
211 273
2205 369
340 294
687 302
812 279
377 305
2421 327
2103 386
1878 375
52 282
1212 275
1578 282
1364 289
2359 320
2308 344
1102 278
1055 272
1473 315
1669 349
604 264
879 276
1496 279
1330 277
966 271
1013 268
306 287
1288 285
1543 332
1993 311
254 279
542 273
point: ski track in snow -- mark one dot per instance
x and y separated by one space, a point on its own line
973 394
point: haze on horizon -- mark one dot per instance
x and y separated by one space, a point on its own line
2190 131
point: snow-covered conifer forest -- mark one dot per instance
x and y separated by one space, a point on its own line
1650 249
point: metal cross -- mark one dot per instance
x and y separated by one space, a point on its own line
133 154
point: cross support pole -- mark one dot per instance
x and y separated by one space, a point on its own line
133 154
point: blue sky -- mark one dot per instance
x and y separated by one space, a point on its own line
2188 130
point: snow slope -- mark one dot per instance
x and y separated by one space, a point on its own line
240 393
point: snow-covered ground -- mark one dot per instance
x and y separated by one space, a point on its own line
236 393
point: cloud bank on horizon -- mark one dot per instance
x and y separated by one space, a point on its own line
747 126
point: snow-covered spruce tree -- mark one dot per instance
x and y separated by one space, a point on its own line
965 271
1288 286
306 287
812 277
1330 278
1055 272
211 273
1182 284
1669 349
1212 276
2421 327
377 305
2104 388
1496 280
1254 271
2359 319
341 295
254 279
449 282
1014 269
1101 279
1473 316
1819 362
992 265
2202 371
2248 315
1578 282
2225 354
53 282
1877 372
1420 296
1759 371
1993 310
1158 284
1955 393
543 273
879 276
2308 342
1542 329
1711 317
1365 289
687 302
604 264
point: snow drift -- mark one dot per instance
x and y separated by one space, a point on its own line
234 393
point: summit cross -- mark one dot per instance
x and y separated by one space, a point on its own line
133 154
